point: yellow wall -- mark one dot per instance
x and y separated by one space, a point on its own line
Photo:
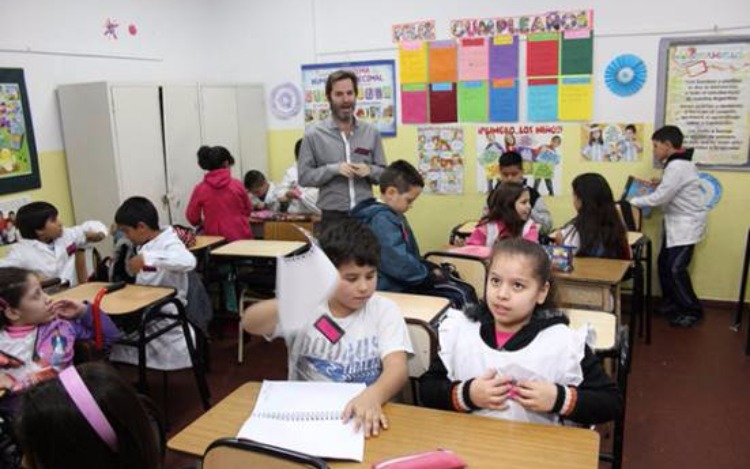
717 263
55 188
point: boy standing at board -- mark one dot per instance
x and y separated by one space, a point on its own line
680 196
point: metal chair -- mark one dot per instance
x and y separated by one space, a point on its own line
233 453
622 355
472 270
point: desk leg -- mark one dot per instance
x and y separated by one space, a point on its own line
649 297
743 288
142 382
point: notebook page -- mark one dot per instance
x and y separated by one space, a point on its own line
306 417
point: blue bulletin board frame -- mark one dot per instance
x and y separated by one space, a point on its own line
376 101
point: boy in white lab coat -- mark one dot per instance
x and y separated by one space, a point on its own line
46 247
161 260
302 200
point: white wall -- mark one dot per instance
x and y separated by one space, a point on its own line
268 41
60 42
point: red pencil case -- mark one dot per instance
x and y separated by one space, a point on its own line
438 459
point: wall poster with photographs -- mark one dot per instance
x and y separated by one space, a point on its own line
376 98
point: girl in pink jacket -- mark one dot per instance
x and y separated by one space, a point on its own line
507 217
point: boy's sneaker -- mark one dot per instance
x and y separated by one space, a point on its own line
685 320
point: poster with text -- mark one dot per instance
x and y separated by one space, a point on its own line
440 153
19 165
540 147
615 142
551 21
708 97
376 98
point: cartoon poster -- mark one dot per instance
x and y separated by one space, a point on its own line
376 100
539 147
417 31
614 142
19 168
441 159
552 21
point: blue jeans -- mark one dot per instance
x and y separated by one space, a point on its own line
677 289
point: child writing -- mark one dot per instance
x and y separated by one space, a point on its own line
37 333
514 356
371 325
400 185
161 260
87 417
220 202
263 191
598 229
509 210
511 170
45 246
681 198
299 199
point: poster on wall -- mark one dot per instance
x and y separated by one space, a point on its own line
19 166
613 142
376 98
539 147
417 31
440 153
704 86
9 233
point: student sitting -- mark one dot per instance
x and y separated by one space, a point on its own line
162 260
508 216
598 229
45 246
220 203
402 268
87 417
299 199
375 341
511 170
262 190
514 357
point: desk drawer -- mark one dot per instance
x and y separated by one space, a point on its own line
587 296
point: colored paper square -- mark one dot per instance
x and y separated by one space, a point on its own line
504 100
577 55
542 55
504 58
414 104
443 102
542 100
443 61
472 101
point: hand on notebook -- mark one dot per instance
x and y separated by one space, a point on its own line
367 412
538 396
490 391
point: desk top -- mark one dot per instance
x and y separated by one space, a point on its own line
258 248
605 325
205 241
595 270
482 442
128 300
634 237
422 307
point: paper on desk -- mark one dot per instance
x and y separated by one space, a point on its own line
303 282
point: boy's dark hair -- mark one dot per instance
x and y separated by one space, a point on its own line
598 224
350 241
211 158
501 205
253 179
669 133
338 76
536 256
33 216
510 158
631 127
401 175
137 210
53 432
297 147
13 285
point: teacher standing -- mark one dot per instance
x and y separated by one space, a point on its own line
341 155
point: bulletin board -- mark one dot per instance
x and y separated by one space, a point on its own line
704 88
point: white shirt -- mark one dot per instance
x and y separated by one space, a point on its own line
55 259
305 204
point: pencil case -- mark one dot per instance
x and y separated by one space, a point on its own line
438 459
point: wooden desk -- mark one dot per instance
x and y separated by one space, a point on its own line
634 237
605 325
590 283
425 308
205 241
128 300
482 442
258 248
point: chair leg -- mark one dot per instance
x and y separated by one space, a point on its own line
165 397
649 297
200 376
240 343
142 381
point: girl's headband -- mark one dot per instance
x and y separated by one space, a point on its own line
86 404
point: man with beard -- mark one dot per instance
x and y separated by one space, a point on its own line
341 155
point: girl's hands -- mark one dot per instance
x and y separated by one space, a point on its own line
538 396
490 391
67 309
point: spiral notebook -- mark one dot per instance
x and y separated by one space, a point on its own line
306 417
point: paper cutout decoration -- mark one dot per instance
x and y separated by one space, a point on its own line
542 99
417 31
110 28
504 57
625 75
577 53
542 55
414 103
132 29
576 99
413 62
472 101
473 59
443 102
286 101
711 188
443 61
504 100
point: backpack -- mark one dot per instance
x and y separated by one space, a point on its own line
450 286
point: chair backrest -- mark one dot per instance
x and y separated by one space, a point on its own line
424 341
232 453
472 270
461 231
631 215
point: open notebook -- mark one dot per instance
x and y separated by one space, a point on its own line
306 417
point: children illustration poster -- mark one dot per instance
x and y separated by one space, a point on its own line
19 168
376 98
612 142
538 145
441 159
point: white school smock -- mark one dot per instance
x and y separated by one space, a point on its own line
554 355
308 203
55 259
167 263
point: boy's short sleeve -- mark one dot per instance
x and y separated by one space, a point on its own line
393 335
